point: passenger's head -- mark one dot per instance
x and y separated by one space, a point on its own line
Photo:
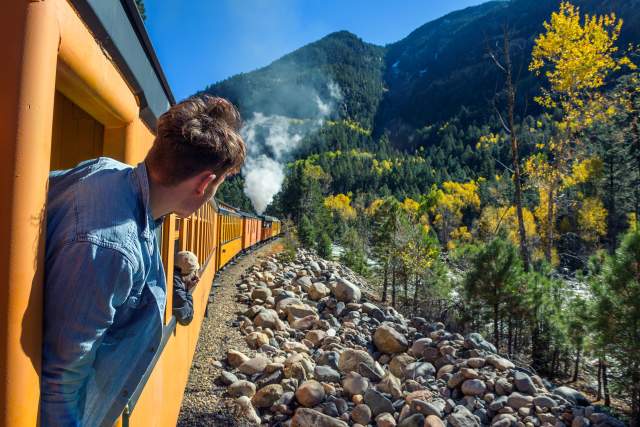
187 262
197 145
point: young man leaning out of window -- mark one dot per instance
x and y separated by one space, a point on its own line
104 292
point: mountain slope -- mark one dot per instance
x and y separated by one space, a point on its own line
289 85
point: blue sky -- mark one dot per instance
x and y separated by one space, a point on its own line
199 42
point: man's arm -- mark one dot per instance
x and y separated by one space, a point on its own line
84 285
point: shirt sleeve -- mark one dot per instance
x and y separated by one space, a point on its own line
84 285
182 301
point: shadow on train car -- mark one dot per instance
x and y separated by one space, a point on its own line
81 80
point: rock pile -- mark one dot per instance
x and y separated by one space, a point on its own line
327 357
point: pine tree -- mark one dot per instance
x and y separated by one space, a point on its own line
494 275
324 245
617 295
306 232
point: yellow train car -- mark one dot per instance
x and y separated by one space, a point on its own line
250 230
230 224
81 80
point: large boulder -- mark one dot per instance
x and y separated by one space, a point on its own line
571 395
346 291
377 402
474 387
268 318
351 358
310 394
524 383
461 417
388 340
305 417
318 290
476 341
267 396
354 383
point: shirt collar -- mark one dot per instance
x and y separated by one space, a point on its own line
142 180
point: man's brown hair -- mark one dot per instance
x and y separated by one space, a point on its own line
198 134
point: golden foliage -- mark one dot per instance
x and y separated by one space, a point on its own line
373 207
584 171
341 205
410 206
449 204
592 219
577 54
487 141
459 235
493 219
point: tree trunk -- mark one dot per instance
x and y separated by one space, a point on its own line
611 211
510 338
393 285
496 330
406 289
599 396
385 282
577 366
555 363
415 297
635 403
517 182
605 383
635 132
550 220
535 347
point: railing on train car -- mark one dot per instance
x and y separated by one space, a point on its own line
231 227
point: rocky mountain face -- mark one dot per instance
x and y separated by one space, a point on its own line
326 355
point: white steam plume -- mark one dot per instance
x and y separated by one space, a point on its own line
270 140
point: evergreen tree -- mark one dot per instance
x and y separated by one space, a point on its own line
324 245
493 278
307 232
617 292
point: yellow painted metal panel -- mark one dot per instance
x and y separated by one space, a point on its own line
229 250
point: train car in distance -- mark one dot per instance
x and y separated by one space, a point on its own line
271 227
251 225
81 80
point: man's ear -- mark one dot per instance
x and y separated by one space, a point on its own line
203 180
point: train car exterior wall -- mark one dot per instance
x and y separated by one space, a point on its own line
48 53
66 100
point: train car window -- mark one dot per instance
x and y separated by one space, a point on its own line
76 136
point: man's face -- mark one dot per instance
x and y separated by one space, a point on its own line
193 199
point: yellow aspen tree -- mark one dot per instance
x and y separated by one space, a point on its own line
448 206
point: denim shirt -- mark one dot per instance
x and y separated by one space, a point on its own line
104 292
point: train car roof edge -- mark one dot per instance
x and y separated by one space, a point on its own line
118 28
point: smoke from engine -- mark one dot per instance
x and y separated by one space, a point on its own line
270 141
